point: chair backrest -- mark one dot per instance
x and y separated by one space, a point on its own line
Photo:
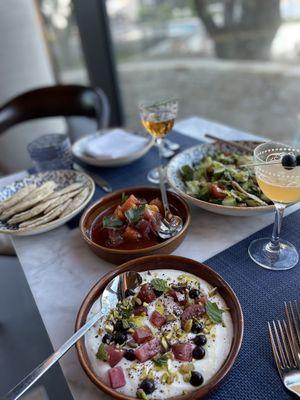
55 101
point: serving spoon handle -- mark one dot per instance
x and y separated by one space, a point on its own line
39 371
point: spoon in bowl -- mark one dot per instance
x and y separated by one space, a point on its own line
170 224
112 294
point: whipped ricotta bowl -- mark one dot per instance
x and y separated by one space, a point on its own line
170 337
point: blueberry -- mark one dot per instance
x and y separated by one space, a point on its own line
200 340
129 355
198 353
197 327
107 338
194 293
148 386
129 292
298 160
289 161
196 378
120 337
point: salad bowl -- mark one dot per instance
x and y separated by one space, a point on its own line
157 264
193 157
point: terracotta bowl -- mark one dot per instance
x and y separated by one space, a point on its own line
164 262
117 256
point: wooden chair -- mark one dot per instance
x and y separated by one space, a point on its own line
56 101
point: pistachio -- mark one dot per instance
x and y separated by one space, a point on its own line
145 304
130 330
170 379
213 291
132 344
138 301
187 377
164 343
164 377
140 394
186 368
171 317
109 328
188 325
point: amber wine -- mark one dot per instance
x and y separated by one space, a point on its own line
280 188
158 129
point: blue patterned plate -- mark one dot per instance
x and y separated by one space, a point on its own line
193 156
63 178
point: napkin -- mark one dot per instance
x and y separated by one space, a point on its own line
116 143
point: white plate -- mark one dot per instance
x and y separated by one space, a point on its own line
193 156
79 146
63 178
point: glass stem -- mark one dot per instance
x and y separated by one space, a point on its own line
274 245
159 143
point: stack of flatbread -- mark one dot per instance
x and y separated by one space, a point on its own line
34 206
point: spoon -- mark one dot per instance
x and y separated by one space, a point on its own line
112 294
170 224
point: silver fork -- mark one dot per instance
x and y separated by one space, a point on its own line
293 322
285 357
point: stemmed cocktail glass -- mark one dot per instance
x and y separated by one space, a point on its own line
282 186
158 119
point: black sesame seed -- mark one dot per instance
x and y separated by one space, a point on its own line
196 378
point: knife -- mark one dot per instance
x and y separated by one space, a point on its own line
102 183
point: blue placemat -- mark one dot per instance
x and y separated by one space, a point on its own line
261 293
134 174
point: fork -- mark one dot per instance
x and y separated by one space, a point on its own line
293 322
285 357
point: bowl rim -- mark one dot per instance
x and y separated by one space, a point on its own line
99 287
134 251
269 207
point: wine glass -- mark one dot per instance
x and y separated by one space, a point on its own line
282 186
158 119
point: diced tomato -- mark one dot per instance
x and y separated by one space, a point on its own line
192 311
114 355
157 319
140 310
132 201
148 350
131 234
118 213
217 192
179 297
116 377
183 351
146 293
142 335
158 203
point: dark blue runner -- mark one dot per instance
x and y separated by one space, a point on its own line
134 174
262 294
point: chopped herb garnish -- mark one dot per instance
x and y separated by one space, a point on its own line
161 361
160 284
102 353
135 214
214 312
124 197
111 222
125 309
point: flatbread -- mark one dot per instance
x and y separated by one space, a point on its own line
15 198
46 218
67 189
76 202
29 214
60 200
33 198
